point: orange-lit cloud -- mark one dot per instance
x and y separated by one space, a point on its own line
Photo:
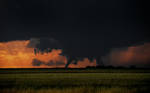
133 55
16 54
82 64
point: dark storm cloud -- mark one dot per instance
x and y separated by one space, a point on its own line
37 62
44 44
60 63
33 42
51 63
65 20
85 28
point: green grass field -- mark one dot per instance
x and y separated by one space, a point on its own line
74 81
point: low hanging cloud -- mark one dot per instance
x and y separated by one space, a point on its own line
138 55
83 64
36 62
51 63
20 54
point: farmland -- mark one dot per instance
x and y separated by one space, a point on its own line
74 80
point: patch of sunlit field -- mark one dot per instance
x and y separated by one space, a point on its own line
67 82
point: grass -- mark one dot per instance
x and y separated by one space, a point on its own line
73 90
133 82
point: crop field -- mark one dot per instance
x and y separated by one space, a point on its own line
74 81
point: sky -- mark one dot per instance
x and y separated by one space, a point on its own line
85 29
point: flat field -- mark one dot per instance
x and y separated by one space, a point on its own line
74 81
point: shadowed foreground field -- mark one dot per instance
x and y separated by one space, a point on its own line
96 82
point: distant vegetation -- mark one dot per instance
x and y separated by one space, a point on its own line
108 69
